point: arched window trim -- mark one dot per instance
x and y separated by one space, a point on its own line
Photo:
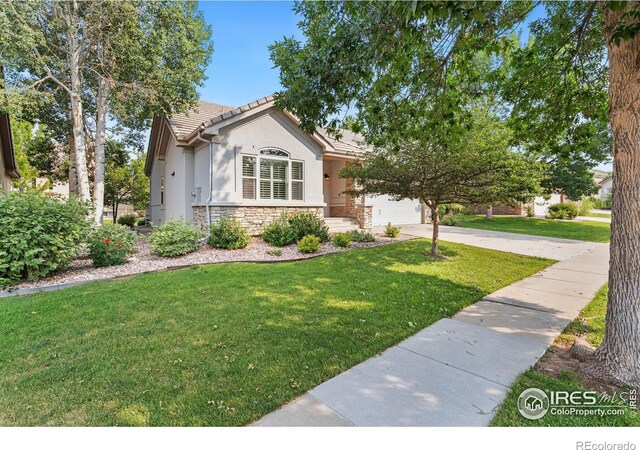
274 152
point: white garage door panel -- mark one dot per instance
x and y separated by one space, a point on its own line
385 210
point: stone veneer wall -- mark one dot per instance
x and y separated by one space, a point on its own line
253 218
354 209
363 214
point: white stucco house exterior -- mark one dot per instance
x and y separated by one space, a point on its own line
254 162
604 187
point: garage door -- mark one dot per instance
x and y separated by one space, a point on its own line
398 213
541 205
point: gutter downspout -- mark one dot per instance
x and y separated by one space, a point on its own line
210 195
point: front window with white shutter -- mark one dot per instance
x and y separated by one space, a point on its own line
273 179
297 181
272 175
249 177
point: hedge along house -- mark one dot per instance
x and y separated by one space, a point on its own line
254 162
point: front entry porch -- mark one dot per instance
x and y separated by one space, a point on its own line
342 211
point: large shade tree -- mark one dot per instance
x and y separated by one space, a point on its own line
103 61
579 70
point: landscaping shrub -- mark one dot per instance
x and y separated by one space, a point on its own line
391 231
449 220
128 220
606 204
562 211
530 211
309 244
450 209
361 236
175 238
274 252
111 244
142 222
307 223
341 240
38 234
290 228
279 232
228 233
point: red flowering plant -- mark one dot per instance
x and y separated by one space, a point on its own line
111 244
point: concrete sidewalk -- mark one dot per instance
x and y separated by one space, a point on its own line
594 219
457 371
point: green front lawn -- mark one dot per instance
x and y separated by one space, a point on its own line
590 323
225 344
580 230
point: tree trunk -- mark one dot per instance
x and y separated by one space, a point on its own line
101 125
620 350
489 215
73 176
77 119
115 210
435 220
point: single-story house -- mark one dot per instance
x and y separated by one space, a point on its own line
8 168
255 162
604 187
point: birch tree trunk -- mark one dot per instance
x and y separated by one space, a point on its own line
73 176
77 119
101 125
489 215
619 353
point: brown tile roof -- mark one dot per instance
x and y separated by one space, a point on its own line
207 114
183 124
348 142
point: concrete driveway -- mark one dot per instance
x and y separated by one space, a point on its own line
523 244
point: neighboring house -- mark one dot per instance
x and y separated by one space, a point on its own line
541 204
255 162
123 210
605 186
8 168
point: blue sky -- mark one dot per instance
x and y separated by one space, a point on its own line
240 70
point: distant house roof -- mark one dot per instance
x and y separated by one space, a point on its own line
607 178
186 126
6 141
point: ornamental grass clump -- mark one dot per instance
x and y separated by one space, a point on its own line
111 245
175 238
